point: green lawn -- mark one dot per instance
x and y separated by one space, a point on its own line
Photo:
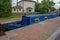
18 15
13 16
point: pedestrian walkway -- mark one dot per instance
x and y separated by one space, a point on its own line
3 21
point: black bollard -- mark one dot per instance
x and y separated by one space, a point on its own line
2 30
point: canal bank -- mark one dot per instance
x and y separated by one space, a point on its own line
39 31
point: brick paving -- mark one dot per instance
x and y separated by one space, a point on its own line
39 31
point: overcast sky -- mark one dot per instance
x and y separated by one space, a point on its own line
57 5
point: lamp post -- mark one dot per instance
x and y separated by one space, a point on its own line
17 6
24 14
37 0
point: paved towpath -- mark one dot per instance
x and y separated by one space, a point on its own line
3 21
38 31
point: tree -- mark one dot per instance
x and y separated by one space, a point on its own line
37 7
5 8
47 5
44 7
59 8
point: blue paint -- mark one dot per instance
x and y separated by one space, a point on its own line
27 20
59 14
13 26
55 15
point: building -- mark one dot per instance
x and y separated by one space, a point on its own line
55 11
24 7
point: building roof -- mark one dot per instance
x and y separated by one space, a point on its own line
17 7
27 1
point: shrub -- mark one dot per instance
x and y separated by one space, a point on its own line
5 8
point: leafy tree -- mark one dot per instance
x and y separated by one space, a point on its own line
5 8
45 6
37 7
59 8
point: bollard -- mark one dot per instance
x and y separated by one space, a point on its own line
59 14
2 30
